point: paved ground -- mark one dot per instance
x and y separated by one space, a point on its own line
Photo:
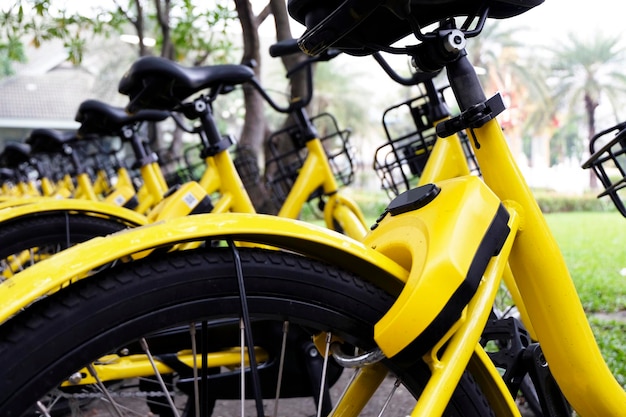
617 316
401 406
301 407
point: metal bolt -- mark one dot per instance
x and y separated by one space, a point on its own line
455 41
127 132
200 106
75 378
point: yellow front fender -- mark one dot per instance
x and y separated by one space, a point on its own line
75 263
96 208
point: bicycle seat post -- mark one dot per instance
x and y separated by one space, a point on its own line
212 140
141 154
299 112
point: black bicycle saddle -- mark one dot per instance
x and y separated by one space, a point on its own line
361 27
102 119
49 140
14 154
7 174
158 83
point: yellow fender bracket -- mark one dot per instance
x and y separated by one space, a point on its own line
445 235
76 262
95 208
189 198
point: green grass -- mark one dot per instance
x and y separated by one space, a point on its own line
611 337
594 247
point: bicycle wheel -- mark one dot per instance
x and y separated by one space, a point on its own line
25 241
190 302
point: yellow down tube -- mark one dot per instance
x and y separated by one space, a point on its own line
546 287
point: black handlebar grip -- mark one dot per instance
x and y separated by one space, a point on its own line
285 47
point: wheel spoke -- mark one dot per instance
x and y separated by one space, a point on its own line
324 370
104 390
67 230
157 374
361 388
281 366
194 352
396 384
31 253
42 408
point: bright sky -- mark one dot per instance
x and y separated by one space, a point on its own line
554 19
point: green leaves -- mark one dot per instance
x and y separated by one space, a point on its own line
11 32
185 30
198 33
41 6
75 48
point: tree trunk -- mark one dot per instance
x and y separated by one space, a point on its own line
163 18
252 142
283 32
298 85
138 24
253 133
590 108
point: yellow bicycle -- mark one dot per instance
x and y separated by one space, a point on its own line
410 303
29 232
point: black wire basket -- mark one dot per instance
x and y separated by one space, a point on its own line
411 135
179 169
287 150
608 161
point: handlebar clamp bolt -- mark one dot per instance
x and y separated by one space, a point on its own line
127 132
455 41
199 106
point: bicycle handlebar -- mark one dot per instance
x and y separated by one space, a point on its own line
284 47
415 79
438 107
289 47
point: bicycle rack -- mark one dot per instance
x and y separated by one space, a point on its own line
184 168
288 151
411 135
608 160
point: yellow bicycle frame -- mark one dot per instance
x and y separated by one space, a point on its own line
75 263
316 173
399 260
221 175
544 283
545 286
153 188
115 367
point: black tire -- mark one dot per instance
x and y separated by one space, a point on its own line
159 296
48 233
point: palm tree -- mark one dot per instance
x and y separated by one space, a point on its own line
511 69
584 73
